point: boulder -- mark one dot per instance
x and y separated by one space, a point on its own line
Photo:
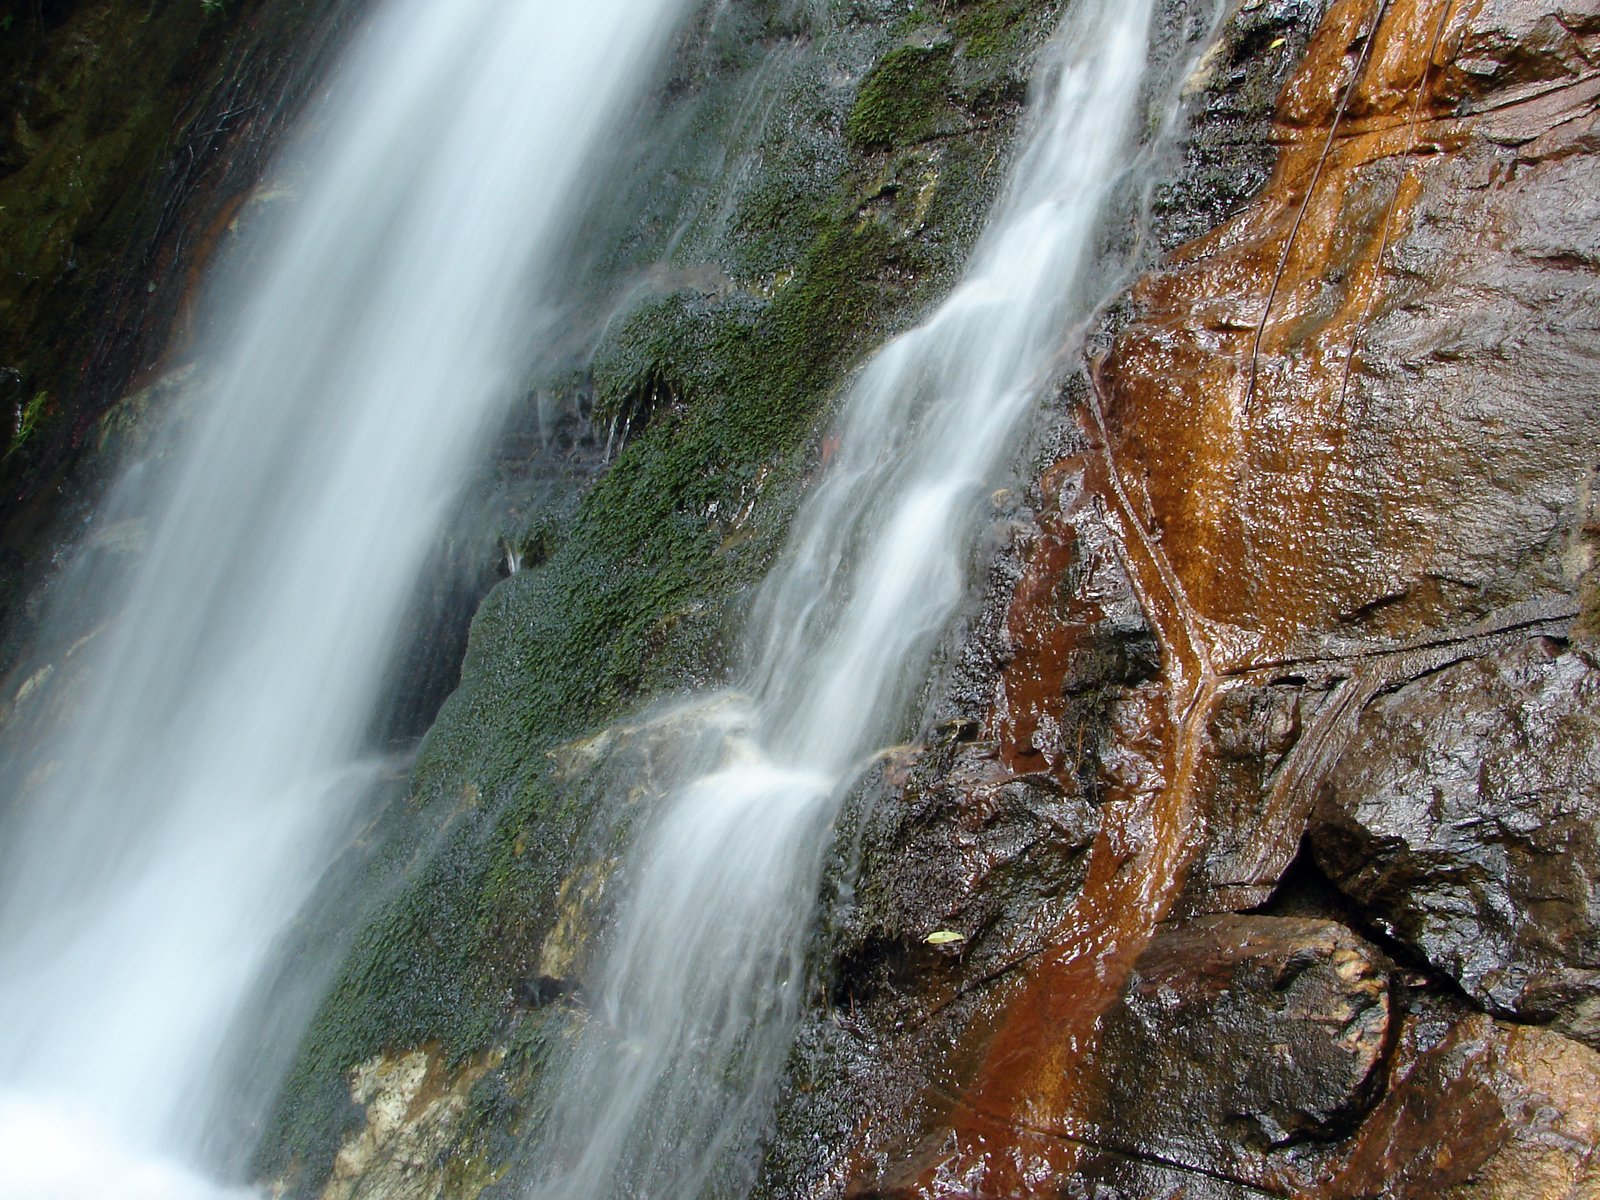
1463 818
1240 1035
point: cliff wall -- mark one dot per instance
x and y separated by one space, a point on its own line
133 134
1274 843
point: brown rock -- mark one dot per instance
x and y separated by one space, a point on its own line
1237 1035
1476 1110
1464 818
1325 406
1341 453
1456 1106
1553 1087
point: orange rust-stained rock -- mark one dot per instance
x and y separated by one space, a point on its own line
1230 400
1303 408
1345 440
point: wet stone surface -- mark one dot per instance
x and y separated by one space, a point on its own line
1230 153
1238 1035
1464 819
1474 1110
962 847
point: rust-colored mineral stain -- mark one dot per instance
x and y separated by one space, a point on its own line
1229 401
1015 1127
1227 472
1044 631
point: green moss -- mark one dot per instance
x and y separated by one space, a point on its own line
430 967
738 389
28 417
779 219
638 590
993 29
564 647
780 210
902 99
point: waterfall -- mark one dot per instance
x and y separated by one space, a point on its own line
695 997
165 833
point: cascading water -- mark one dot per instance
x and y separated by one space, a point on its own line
175 823
694 1001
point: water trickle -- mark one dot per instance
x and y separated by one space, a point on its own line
166 831
694 1001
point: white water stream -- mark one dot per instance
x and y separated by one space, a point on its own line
695 1001
180 819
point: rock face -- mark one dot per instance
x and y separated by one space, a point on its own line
1236 1036
1309 588
413 1106
1465 819
132 138
783 211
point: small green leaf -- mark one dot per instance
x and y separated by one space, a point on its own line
944 937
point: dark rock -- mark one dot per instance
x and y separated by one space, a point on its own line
542 990
1108 1176
965 845
135 138
1230 150
1237 1035
1463 817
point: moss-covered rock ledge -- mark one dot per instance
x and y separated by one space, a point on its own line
826 173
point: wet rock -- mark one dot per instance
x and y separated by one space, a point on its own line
1319 458
1348 357
949 841
1250 733
1412 1099
1464 818
1077 636
1230 153
1110 1177
1475 1110
1513 43
962 845
414 1105
1549 1087
1237 1035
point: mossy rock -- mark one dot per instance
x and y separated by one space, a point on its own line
903 99
710 388
994 29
